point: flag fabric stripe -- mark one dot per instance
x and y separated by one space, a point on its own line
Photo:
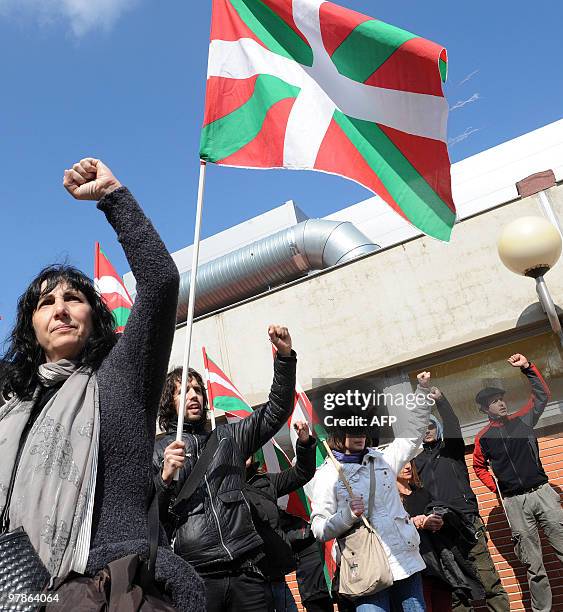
423 156
109 285
336 24
275 33
380 84
267 147
337 152
226 95
229 134
420 55
285 12
224 386
226 23
121 316
421 204
358 57
114 301
231 404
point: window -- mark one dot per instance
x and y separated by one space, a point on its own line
462 378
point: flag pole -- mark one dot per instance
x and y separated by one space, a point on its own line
191 303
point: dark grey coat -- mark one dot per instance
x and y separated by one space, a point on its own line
130 383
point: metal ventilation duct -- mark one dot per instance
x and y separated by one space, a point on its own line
314 244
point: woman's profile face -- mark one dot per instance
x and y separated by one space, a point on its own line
62 321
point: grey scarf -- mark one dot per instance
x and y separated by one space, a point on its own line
53 496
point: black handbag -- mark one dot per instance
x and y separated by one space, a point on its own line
22 573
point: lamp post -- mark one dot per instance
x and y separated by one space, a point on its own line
531 246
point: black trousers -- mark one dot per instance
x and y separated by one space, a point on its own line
238 593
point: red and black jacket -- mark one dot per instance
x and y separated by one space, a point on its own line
510 445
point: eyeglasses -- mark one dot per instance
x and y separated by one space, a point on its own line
431 426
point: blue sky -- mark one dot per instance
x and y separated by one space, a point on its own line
124 80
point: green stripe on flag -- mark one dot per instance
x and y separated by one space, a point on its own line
229 134
230 404
120 315
367 47
272 30
443 70
407 187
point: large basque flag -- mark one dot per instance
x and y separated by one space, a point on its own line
112 290
307 84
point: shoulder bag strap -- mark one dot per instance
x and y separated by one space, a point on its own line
197 473
343 478
154 530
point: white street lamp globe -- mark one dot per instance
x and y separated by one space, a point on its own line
529 246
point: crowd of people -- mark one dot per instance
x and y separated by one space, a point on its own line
112 516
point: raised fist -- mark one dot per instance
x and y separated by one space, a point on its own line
424 379
90 179
435 394
280 338
302 429
518 361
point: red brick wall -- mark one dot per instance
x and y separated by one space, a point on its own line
512 573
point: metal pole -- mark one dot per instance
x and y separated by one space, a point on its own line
191 303
549 307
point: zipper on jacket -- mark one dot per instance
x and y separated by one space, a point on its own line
213 507
510 458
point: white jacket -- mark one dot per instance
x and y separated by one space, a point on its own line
331 516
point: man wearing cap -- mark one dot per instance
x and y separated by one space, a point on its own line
509 445
443 471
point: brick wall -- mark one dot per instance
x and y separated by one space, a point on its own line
512 573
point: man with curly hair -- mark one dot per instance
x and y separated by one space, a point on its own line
214 530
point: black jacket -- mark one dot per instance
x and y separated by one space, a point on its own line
262 492
446 552
310 575
442 468
216 531
510 445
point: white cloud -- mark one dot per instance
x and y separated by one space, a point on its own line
462 103
465 134
468 77
81 15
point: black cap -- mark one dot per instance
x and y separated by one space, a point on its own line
484 396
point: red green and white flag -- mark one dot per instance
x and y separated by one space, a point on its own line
307 84
110 286
225 398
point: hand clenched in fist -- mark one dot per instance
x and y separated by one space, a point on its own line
90 179
424 380
518 361
302 429
280 338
